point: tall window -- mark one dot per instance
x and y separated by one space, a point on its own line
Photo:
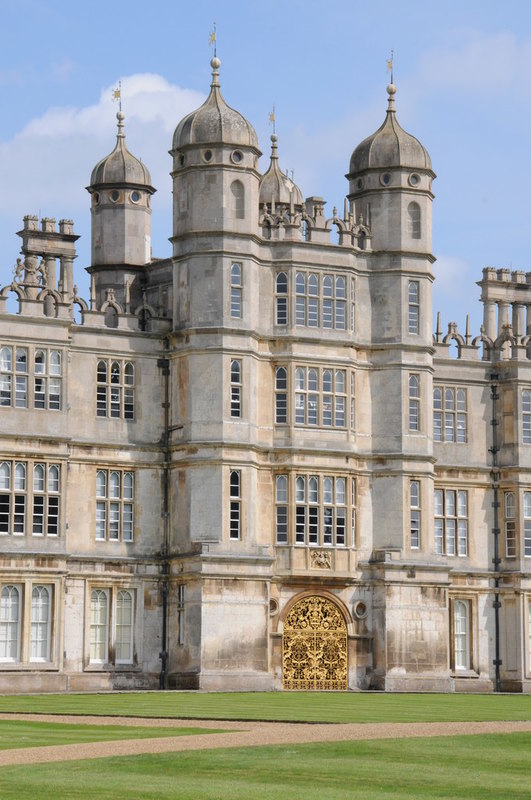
281 299
236 290
238 199
47 380
114 505
281 499
99 626
451 522
235 388
320 301
235 504
413 220
526 416
180 613
10 622
29 498
461 634
414 403
44 392
115 393
510 525
527 524
41 607
449 414
321 510
124 627
320 397
413 307
414 502
281 395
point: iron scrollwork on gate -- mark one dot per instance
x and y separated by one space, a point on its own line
314 646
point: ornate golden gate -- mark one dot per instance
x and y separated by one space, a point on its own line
314 646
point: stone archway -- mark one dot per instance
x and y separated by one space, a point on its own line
314 646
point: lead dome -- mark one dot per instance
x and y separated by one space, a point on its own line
390 146
215 121
120 167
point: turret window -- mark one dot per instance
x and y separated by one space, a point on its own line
414 403
236 291
235 388
281 300
413 220
414 502
526 416
235 504
238 199
413 307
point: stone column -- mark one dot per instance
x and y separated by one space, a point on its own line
489 318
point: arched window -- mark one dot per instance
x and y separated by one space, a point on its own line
281 395
235 505
413 220
238 199
461 634
124 627
281 286
526 416
236 290
99 626
414 403
510 525
10 617
40 624
281 500
413 307
235 388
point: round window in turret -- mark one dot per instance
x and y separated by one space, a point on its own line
359 183
414 179
114 196
207 155
135 197
237 156
385 178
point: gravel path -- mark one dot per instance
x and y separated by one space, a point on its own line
240 734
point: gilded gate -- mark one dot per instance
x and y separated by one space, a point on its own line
314 646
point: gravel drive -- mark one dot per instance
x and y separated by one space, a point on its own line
240 734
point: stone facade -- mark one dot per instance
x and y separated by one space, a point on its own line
253 465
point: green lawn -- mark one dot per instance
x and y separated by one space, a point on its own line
493 767
21 733
302 706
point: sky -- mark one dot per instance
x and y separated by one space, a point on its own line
463 88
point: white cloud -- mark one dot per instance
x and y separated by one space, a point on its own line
48 163
483 62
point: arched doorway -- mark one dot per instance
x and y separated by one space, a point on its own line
314 646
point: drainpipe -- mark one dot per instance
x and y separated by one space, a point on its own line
164 365
495 477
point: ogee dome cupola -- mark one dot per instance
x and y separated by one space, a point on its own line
214 122
215 169
276 188
120 167
390 180
121 191
390 146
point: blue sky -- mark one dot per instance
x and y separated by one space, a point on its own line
461 68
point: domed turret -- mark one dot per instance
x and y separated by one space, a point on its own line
390 146
276 188
390 181
120 167
215 175
214 122
121 191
